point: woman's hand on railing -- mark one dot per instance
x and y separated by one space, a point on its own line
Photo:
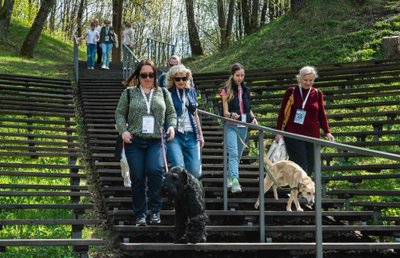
330 137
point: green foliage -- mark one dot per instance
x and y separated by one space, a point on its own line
52 56
321 33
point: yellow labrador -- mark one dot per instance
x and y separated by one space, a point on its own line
286 172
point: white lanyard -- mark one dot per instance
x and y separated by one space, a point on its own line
148 101
182 99
304 100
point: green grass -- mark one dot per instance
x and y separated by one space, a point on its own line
322 33
53 57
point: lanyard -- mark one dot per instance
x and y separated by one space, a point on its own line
148 101
304 100
240 98
182 99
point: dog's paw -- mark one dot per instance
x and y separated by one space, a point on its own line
288 209
308 206
256 205
300 209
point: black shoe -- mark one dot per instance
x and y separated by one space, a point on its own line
141 220
155 218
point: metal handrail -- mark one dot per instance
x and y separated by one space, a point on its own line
130 64
76 59
317 163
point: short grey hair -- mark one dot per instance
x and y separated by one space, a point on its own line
306 70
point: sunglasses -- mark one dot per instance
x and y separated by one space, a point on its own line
146 75
178 79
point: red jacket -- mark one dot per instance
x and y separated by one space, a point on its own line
315 116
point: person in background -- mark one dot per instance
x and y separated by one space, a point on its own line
127 41
172 61
98 45
307 116
184 149
91 36
150 106
236 105
107 38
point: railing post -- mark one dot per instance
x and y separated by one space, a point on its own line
225 146
318 200
261 184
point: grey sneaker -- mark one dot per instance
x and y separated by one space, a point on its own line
141 220
155 218
236 186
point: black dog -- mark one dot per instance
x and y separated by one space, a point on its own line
186 192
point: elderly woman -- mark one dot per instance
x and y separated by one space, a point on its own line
307 116
184 149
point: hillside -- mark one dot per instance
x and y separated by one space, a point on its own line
323 32
52 55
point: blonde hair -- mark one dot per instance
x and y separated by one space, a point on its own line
306 70
175 70
229 92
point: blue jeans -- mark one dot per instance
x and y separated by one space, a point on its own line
106 53
146 163
184 151
235 148
91 52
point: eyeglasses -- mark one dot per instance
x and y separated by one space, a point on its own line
178 79
145 75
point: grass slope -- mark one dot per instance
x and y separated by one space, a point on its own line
323 32
52 57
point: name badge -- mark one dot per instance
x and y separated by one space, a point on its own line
243 119
148 124
300 116
107 38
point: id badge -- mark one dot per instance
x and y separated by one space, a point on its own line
148 124
243 119
300 116
106 38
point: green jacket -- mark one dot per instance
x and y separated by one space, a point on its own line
162 109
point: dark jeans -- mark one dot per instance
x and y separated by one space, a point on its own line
302 153
99 53
146 163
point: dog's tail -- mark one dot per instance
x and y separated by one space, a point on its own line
266 160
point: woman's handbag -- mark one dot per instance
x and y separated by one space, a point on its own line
288 108
119 143
277 151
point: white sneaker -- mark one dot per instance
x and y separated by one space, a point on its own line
229 184
103 67
236 186
127 182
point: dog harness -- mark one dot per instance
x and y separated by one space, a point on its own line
276 183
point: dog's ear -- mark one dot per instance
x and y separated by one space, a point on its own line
185 177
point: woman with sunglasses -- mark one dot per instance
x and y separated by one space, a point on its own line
184 149
150 106
236 105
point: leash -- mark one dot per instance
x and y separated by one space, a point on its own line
240 138
275 182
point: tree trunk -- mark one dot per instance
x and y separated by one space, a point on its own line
246 17
221 23
264 9
391 47
52 20
240 20
254 15
79 18
229 22
116 24
32 38
296 5
194 39
5 17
